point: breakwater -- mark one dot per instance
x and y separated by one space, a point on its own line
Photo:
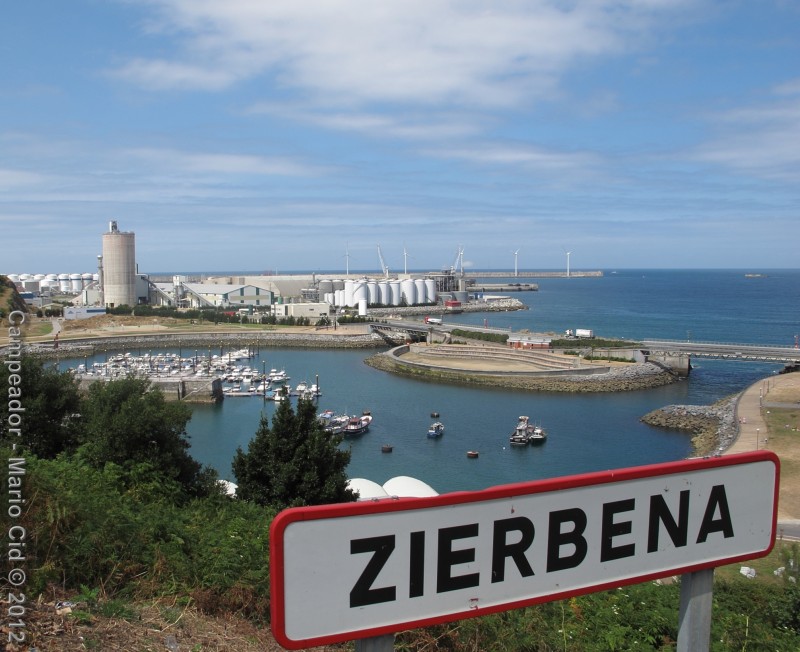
616 379
714 428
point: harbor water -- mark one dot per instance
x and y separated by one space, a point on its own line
586 432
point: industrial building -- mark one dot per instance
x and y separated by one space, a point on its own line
212 295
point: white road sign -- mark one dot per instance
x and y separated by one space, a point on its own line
347 571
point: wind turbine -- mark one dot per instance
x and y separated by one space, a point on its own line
568 253
347 260
405 259
515 262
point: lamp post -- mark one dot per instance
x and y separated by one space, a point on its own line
758 434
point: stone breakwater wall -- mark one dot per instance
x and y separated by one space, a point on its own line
617 379
206 341
714 427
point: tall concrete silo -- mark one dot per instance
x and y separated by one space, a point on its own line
119 267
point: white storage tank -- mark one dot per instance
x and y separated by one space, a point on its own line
63 283
339 298
39 277
384 293
349 289
419 286
14 278
395 293
360 291
430 290
75 283
362 307
373 293
87 279
408 292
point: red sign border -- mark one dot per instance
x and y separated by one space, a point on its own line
385 505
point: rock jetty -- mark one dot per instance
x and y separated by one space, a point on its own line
714 427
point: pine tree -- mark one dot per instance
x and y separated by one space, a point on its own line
293 463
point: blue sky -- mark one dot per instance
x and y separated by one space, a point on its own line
286 135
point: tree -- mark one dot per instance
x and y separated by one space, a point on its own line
51 404
129 423
293 463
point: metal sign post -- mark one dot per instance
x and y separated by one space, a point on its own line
694 616
376 644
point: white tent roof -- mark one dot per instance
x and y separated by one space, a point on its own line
366 489
408 487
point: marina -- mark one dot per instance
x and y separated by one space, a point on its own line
590 432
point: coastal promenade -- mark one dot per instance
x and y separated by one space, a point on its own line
781 391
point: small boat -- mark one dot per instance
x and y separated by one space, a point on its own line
386 448
526 433
436 429
538 436
472 454
357 425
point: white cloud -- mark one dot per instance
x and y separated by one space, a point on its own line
10 178
411 51
189 163
762 140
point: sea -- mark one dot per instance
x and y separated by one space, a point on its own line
586 432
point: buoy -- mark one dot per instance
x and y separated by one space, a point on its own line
386 448
434 415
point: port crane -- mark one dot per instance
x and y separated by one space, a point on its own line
384 267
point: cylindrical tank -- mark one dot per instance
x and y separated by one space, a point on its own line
430 290
87 279
384 293
39 277
362 307
23 277
14 278
119 267
461 295
373 292
63 283
359 291
349 287
338 284
339 298
419 286
329 298
395 294
408 291
75 283
325 286
53 277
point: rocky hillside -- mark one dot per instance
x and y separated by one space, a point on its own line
9 298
